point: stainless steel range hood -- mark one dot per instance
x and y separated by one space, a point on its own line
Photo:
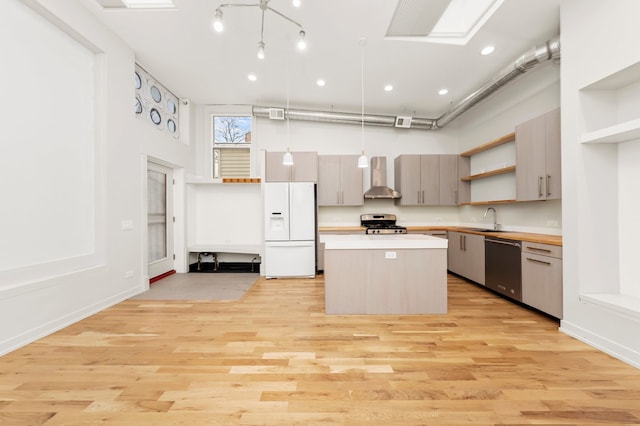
379 188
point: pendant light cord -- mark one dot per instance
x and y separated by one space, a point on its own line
362 90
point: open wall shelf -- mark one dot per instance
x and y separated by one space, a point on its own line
611 108
502 171
491 144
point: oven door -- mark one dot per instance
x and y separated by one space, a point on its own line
503 267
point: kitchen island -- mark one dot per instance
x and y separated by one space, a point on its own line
385 274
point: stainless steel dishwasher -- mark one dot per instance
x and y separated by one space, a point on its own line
503 266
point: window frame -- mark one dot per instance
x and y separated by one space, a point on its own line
229 145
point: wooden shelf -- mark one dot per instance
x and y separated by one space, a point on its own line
496 172
491 144
240 180
484 203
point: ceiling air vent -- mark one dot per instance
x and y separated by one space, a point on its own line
404 122
276 114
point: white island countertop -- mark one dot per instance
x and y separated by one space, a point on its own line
376 242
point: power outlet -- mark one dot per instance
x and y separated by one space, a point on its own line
390 255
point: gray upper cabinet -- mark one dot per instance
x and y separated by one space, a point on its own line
427 179
304 169
340 181
538 158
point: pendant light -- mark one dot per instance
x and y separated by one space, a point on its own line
363 162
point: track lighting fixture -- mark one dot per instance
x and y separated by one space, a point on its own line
218 24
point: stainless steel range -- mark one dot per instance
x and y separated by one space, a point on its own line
381 223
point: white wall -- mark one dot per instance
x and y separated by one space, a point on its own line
52 299
531 95
599 183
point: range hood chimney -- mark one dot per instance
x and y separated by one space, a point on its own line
379 188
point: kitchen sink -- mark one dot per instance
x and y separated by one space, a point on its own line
482 230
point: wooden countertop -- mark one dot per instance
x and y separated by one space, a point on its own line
554 240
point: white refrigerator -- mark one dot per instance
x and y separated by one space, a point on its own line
290 229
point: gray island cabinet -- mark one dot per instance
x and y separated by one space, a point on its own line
385 274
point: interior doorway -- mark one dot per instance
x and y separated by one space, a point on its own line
160 221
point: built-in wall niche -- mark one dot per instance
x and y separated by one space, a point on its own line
611 108
610 130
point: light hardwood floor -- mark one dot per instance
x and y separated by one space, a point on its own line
275 358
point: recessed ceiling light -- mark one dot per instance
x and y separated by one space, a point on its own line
388 88
443 92
487 50
296 3
320 82
252 77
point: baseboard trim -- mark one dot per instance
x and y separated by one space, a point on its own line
599 342
161 276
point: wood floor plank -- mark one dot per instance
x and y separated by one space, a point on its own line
274 358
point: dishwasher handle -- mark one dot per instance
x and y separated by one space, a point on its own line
508 243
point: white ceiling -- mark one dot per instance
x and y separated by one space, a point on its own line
182 51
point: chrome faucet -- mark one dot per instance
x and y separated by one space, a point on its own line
495 217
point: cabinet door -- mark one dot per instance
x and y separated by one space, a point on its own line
474 257
351 181
553 187
449 179
407 179
329 192
275 171
542 283
430 179
305 167
530 158
454 252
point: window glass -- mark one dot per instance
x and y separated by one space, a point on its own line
156 118
231 149
137 81
171 125
138 106
171 106
155 94
231 129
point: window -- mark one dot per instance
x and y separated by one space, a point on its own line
231 146
155 103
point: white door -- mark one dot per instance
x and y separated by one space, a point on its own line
302 211
159 219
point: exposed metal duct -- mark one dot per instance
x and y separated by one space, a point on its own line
547 51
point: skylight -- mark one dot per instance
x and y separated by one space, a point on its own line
149 4
440 21
136 4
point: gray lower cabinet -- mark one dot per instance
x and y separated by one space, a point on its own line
465 255
304 169
542 277
339 181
